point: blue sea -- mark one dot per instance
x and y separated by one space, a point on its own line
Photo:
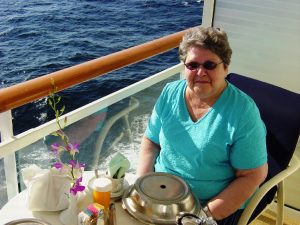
38 37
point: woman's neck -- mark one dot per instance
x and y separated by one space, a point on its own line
198 105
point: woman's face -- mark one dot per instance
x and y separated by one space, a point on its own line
203 82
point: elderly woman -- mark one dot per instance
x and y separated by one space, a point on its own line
207 131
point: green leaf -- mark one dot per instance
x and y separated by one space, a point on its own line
62 109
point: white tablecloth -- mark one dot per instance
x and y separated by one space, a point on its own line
16 208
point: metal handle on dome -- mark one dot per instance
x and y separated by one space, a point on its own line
193 219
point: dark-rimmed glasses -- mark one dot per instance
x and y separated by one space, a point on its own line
208 65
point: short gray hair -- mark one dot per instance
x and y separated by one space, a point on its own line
209 38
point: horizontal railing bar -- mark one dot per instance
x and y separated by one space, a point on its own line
28 91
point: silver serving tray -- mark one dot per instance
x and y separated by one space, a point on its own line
27 221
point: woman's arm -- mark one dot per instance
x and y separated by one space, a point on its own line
148 153
232 197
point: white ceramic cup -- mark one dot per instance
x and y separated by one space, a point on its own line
117 184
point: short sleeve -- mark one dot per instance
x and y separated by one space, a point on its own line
249 147
154 123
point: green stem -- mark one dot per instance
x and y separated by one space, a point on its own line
62 135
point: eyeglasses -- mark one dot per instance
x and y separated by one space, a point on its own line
208 65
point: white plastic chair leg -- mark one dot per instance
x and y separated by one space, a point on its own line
280 203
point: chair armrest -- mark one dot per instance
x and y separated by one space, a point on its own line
293 166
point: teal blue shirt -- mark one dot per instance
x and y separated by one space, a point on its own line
231 135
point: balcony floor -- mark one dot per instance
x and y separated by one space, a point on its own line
291 217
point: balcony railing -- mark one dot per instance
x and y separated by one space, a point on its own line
136 97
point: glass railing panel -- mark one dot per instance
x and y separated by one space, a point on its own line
37 154
116 127
129 142
85 132
3 190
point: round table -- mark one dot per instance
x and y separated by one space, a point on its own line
16 207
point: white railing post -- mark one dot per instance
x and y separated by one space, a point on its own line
10 167
208 13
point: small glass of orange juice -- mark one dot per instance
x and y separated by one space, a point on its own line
101 191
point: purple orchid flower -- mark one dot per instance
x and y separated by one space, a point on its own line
56 148
73 148
77 187
58 165
76 164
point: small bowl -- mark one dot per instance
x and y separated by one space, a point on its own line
157 198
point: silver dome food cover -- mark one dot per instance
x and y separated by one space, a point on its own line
157 198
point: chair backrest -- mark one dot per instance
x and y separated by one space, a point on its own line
280 111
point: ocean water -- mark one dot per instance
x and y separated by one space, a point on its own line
38 37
